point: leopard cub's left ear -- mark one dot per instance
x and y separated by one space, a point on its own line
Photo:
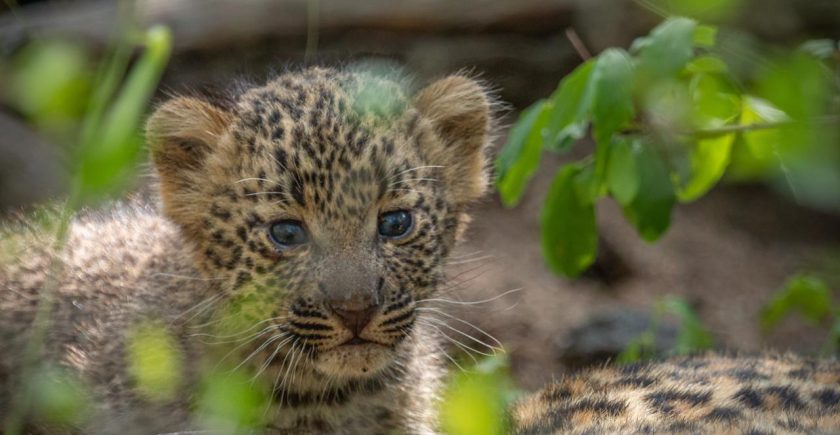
460 110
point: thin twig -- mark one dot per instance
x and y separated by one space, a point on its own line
578 44
719 131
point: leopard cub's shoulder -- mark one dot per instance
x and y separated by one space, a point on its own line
709 394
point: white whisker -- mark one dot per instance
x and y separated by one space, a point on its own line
483 301
486 334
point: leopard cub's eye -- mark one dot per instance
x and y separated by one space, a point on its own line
287 234
395 224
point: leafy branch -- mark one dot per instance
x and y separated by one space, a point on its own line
666 117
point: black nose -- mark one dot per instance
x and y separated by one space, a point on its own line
355 320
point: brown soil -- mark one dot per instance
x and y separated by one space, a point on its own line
726 254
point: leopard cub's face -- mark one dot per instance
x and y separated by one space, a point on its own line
328 199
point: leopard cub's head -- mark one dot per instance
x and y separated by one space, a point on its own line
330 197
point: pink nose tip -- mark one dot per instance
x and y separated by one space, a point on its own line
355 320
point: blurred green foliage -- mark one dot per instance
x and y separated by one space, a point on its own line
154 362
692 337
476 400
669 120
58 397
49 82
111 139
232 403
707 10
53 84
810 297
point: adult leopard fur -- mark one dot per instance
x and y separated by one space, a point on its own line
710 394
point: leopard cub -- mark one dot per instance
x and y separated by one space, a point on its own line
302 226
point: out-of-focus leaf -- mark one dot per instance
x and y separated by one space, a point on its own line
706 64
569 234
612 106
376 95
570 109
520 156
650 210
154 362
106 159
49 83
640 348
832 342
587 185
715 103
823 49
622 174
762 143
244 310
709 160
232 403
693 336
666 51
806 295
754 156
801 87
59 397
668 107
475 401
705 36
706 10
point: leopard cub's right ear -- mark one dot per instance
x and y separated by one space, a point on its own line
181 132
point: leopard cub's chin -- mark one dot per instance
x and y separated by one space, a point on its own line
354 361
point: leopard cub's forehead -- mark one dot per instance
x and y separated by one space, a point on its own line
330 142
321 107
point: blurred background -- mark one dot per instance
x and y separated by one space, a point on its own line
724 257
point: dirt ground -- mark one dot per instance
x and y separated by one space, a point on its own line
725 254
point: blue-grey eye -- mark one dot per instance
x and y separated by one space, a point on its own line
288 234
395 224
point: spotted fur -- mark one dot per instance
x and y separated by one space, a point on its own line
711 394
330 148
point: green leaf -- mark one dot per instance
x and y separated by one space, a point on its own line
49 82
569 233
475 401
520 156
230 402
650 210
666 51
693 336
823 49
709 160
704 10
107 157
715 103
832 342
622 175
809 158
640 348
570 108
704 36
154 362
612 107
59 397
807 295
754 110
707 64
